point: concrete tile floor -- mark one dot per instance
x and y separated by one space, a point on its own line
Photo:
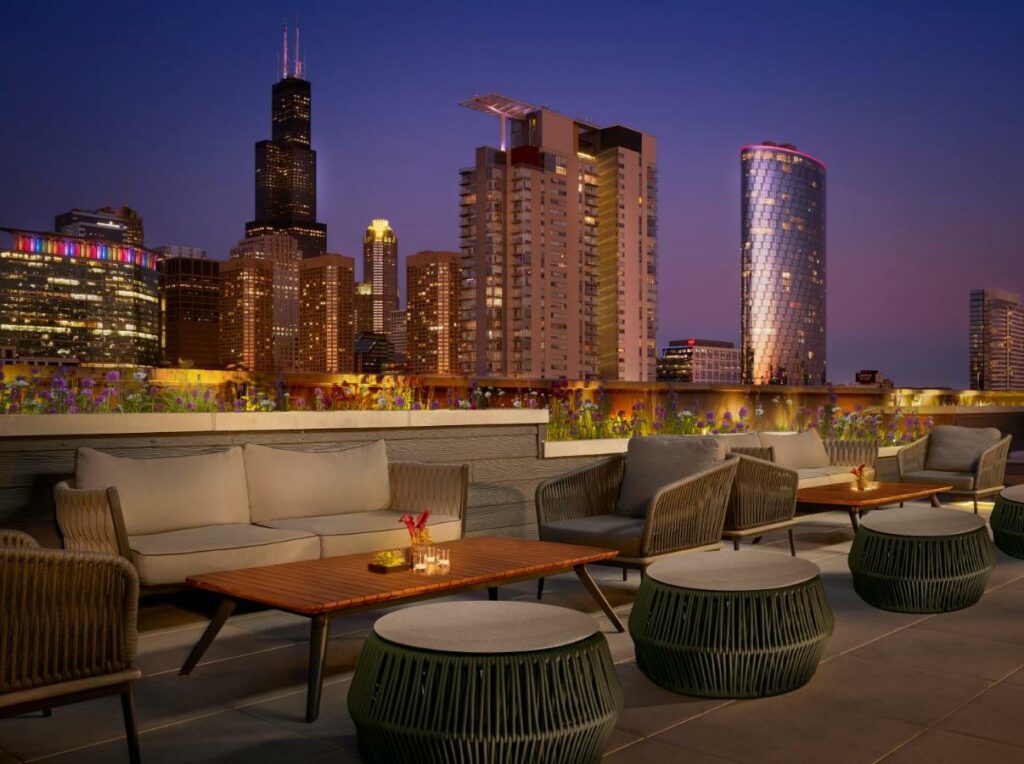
892 687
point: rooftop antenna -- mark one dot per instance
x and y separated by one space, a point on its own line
298 55
284 37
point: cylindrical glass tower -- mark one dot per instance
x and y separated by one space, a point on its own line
782 229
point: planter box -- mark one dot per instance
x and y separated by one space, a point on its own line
554 449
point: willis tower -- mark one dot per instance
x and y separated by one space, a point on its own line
286 164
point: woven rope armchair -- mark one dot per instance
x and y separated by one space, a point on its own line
762 500
687 515
68 631
852 453
987 476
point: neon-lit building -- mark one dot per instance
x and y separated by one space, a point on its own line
79 299
708 362
782 267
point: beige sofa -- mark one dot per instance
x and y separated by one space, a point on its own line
817 462
250 506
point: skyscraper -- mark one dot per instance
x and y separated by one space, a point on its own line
189 307
286 164
326 331
398 336
81 299
121 225
432 313
558 233
782 229
997 340
380 271
247 313
282 252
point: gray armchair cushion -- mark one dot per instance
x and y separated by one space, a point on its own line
957 449
802 450
655 461
961 481
606 531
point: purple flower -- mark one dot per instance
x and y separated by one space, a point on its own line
727 416
416 406
239 404
207 394
435 405
112 376
399 402
700 424
743 412
59 383
533 403
86 383
710 416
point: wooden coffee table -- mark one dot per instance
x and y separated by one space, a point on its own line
855 502
320 589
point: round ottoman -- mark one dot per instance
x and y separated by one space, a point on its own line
484 682
741 625
921 559
1007 521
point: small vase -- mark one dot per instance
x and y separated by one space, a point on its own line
862 483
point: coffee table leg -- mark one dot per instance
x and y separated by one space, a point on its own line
595 592
318 632
935 500
224 610
854 519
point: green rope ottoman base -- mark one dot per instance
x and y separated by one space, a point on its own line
555 704
921 560
1007 522
749 625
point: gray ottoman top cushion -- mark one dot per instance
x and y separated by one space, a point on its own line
922 521
485 627
1013 493
732 571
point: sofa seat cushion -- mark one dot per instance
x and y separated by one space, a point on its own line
655 461
170 494
171 557
356 532
958 449
801 450
619 532
819 476
961 481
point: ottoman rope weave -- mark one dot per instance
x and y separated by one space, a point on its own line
921 560
742 625
484 683
1007 521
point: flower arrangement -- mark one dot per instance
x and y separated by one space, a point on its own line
860 473
419 533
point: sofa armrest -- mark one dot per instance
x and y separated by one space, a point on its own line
852 453
586 491
690 512
992 465
90 520
911 457
762 493
16 539
440 488
765 453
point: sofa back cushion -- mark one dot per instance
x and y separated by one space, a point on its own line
957 449
285 484
797 451
654 461
739 440
170 494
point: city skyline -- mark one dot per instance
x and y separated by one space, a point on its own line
922 202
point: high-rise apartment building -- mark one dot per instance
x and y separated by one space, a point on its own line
326 330
380 271
282 252
121 225
782 265
364 307
558 234
398 336
189 307
997 340
432 313
84 299
247 313
286 164
706 362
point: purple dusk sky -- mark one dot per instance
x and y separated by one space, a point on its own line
915 107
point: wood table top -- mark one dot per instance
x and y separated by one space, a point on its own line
314 587
843 495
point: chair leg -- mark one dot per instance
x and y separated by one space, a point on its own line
492 593
792 543
625 574
975 505
130 730
540 588
47 713
736 545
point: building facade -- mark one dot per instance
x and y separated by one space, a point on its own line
286 165
326 323
247 314
80 299
121 225
189 307
374 353
709 362
996 340
398 336
558 237
380 271
282 252
432 313
782 293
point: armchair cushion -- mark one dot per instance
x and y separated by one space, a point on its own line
285 484
170 494
961 481
957 449
356 532
802 450
655 461
606 531
739 440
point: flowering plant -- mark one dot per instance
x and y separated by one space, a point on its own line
859 472
418 531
